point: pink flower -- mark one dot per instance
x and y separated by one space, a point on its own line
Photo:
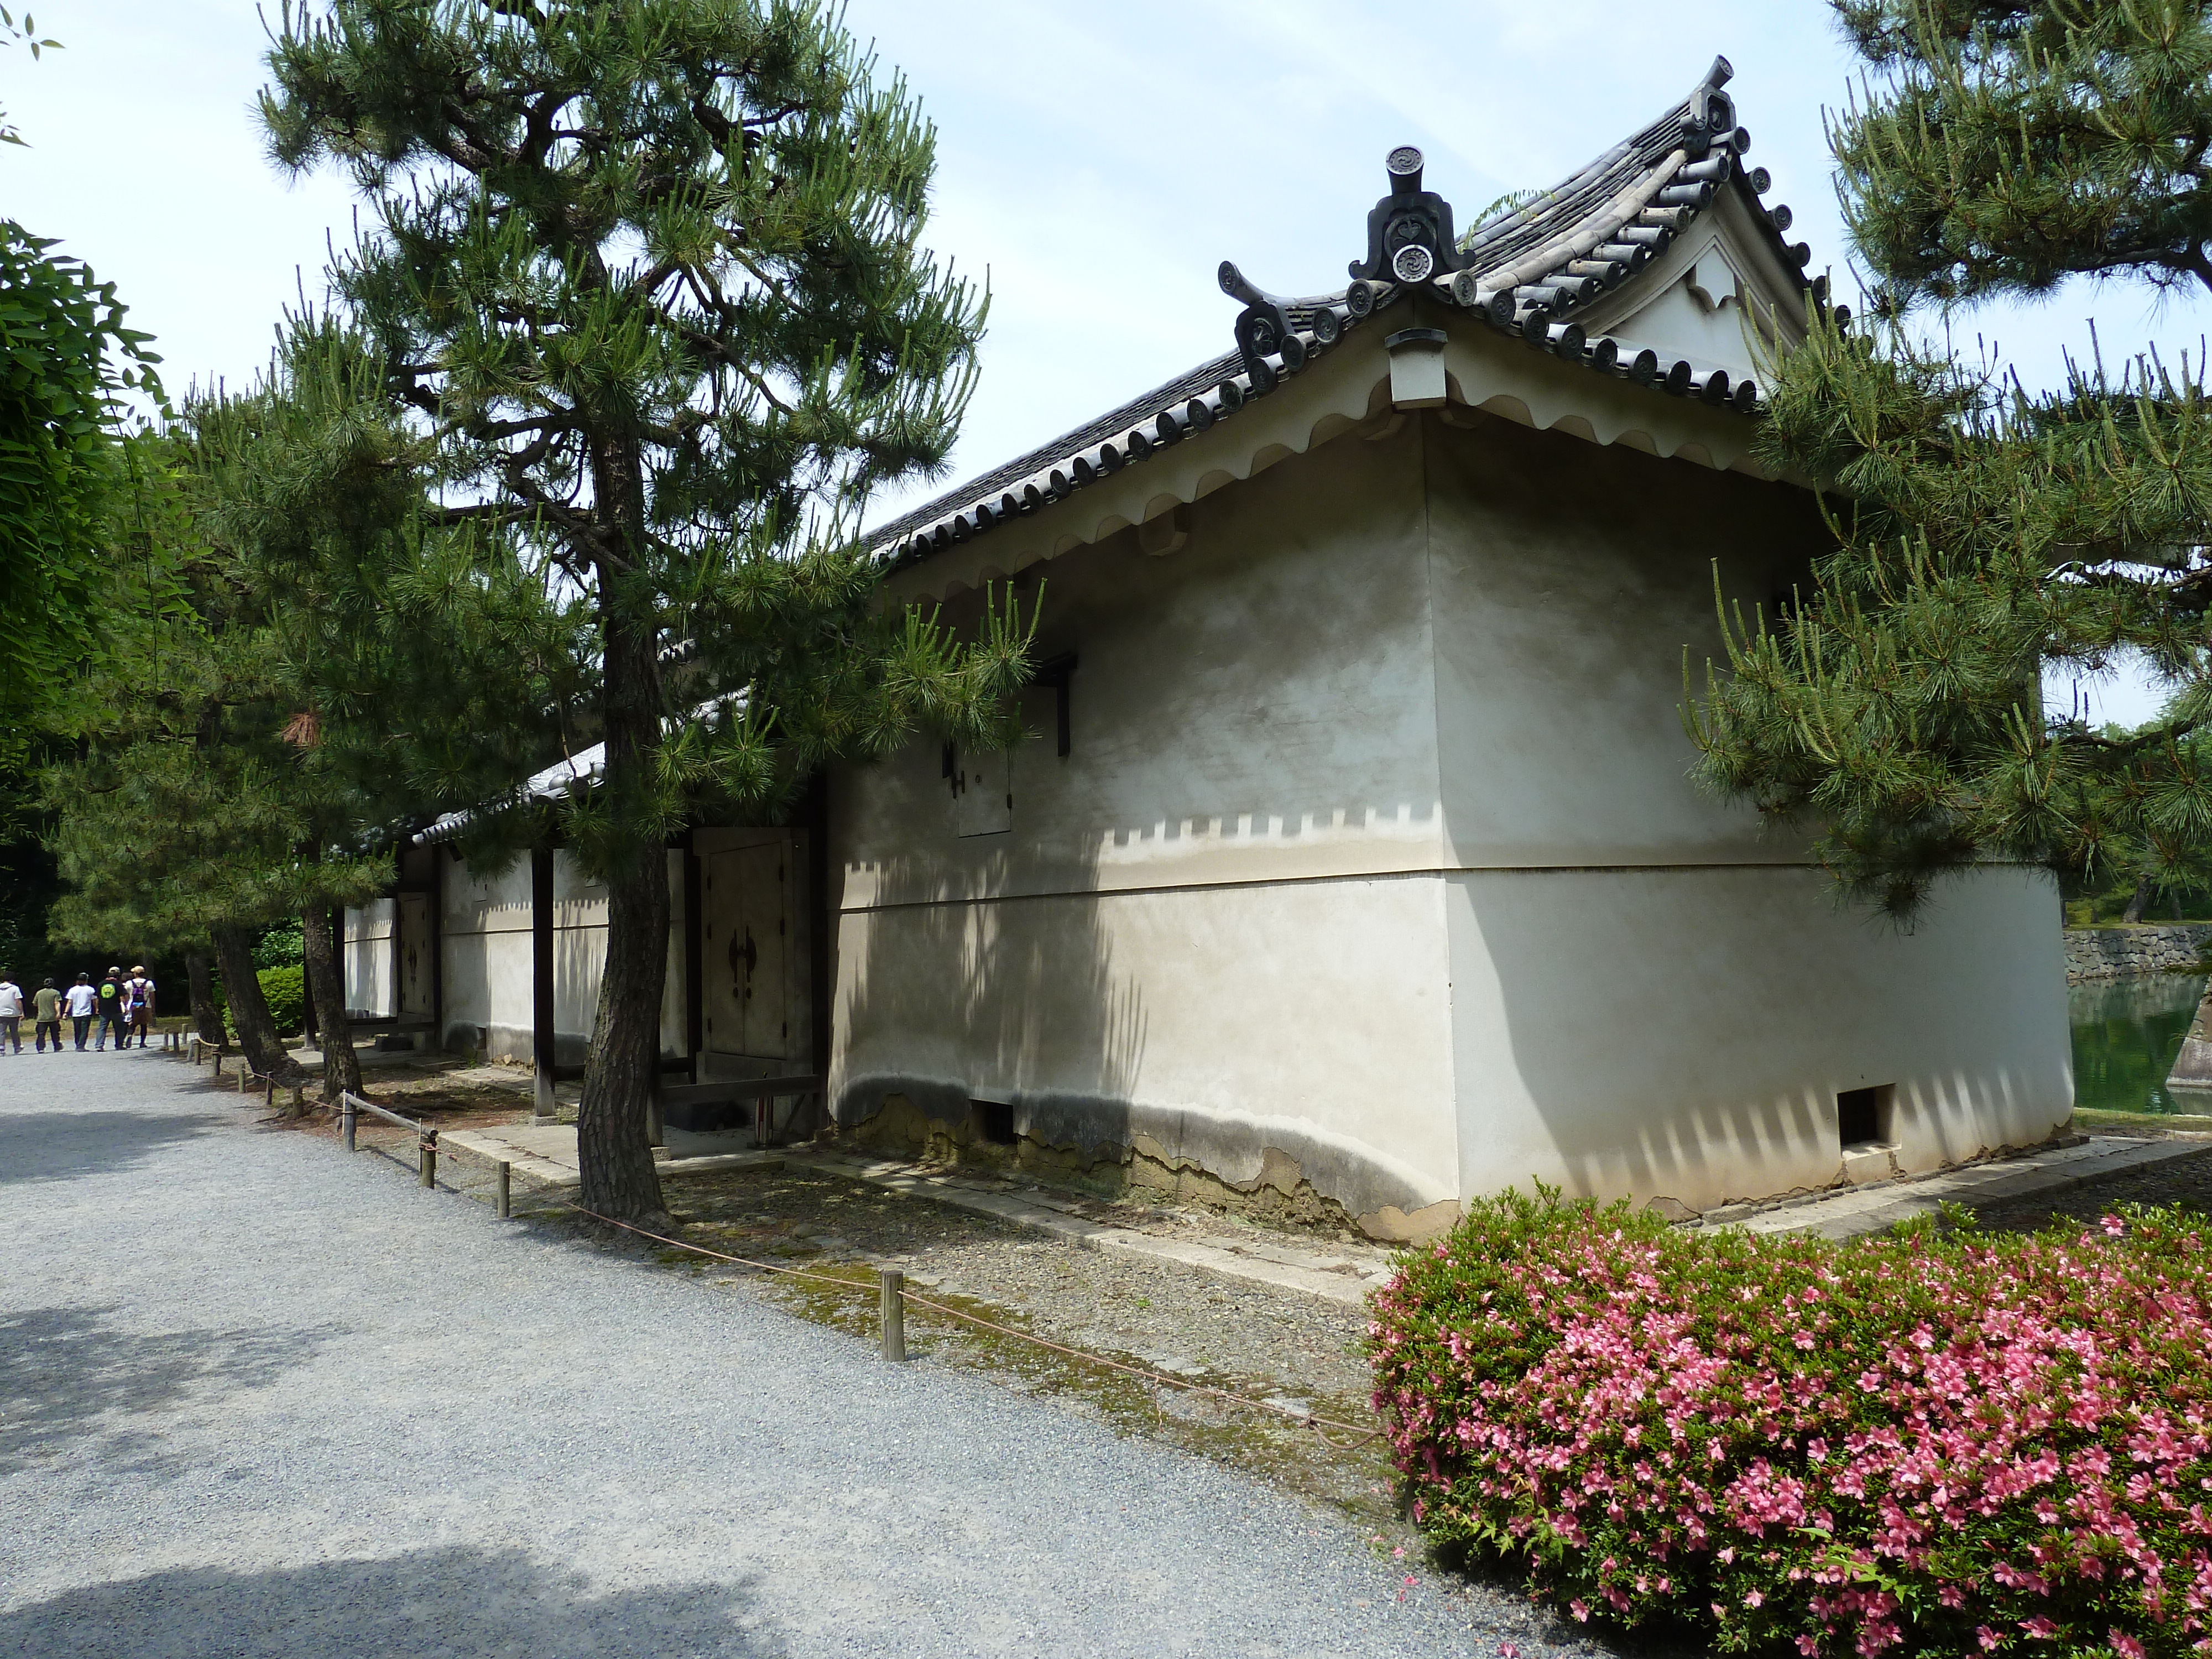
2125 1646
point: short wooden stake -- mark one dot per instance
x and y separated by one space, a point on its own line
430 1177
345 1117
504 1209
893 1299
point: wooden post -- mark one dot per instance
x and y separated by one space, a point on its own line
541 978
893 1283
505 1208
345 1117
429 1176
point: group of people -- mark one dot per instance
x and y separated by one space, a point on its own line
124 1008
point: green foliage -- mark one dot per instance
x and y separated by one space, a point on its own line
1939 1442
279 946
59 464
650 274
27 34
285 991
1984 532
2011 145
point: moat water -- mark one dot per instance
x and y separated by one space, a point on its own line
2126 1033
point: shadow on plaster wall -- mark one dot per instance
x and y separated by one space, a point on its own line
1684 1034
1016 1002
459 1600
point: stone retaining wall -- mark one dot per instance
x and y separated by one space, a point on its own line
2112 952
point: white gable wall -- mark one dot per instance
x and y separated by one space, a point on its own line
1652 996
1214 932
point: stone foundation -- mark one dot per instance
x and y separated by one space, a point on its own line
1280 1193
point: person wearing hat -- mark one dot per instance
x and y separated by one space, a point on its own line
110 1011
139 990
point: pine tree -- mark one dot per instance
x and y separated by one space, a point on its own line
650 273
236 760
1984 532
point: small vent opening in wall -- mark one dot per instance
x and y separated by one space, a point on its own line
1863 1115
994 1121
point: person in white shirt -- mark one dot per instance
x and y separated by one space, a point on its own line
83 1001
11 1013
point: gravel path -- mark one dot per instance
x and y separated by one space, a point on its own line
255 1401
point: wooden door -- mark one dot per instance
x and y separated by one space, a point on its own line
745 918
413 948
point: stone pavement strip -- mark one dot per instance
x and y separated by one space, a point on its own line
258 1400
1871 1209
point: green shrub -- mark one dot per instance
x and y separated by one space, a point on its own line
1958 1445
285 991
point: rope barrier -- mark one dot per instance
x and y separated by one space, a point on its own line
1320 1426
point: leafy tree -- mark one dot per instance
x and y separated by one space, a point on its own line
1985 532
26 34
64 357
241 761
649 272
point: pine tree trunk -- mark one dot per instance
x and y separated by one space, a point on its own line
241 986
2133 913
614 1151
341 1066
200 979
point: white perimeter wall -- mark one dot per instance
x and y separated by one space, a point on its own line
1377 851
1215 930
485 958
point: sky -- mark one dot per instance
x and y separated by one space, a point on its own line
1096 164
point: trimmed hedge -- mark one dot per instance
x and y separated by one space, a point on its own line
1964 1444
285 991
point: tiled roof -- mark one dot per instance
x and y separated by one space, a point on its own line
1530 270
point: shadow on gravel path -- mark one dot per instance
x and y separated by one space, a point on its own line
68 1145
457 1601
67 1372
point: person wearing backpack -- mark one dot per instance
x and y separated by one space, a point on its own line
112 1006
46 1011
138 992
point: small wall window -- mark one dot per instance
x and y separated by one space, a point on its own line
1864 1117
994 1121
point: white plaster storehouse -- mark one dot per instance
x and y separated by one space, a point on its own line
1355 866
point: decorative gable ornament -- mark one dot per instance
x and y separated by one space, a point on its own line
1608 271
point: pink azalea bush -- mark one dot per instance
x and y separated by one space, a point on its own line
1966 1444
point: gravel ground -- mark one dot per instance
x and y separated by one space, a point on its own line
255 1401
1297 1351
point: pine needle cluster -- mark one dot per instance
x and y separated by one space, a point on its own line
1985 534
